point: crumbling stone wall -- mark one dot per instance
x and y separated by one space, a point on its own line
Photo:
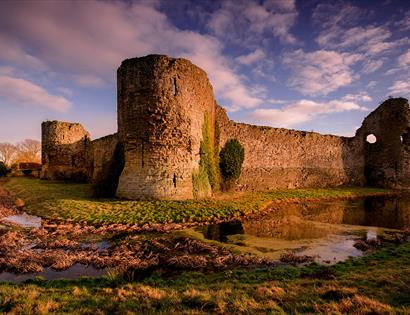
65 150
283 158
102 155
387 161
162 103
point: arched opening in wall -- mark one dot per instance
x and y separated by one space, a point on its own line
371 138
175 87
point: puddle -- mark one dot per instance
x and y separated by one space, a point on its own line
327 230
24 220
74 272
99 246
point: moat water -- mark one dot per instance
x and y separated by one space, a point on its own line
326 230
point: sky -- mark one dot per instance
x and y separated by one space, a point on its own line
305 64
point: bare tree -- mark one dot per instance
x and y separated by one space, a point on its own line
8 153
29 151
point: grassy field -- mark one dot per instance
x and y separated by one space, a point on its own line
375 284
71 201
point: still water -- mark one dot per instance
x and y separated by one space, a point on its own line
326 230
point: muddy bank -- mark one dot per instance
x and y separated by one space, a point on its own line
7 204
60 247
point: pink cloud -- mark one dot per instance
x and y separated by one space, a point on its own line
22 92
89 50
301 111
320 72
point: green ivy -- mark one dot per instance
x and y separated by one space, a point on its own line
208 174
231 159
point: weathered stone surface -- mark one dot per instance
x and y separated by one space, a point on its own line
65 150
102 154
282 158
387 161
162 103
161 107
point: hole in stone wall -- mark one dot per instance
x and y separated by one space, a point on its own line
175 87
371 138
174 180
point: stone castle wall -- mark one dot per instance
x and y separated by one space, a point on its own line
102 154
282 158
162 105
65 150
69 153
387 161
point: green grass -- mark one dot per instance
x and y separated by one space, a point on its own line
72 201
375 284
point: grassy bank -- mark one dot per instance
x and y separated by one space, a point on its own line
375 284
71 201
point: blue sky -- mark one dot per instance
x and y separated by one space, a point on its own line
309 65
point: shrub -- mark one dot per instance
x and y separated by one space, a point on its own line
106 185
3 169
230 160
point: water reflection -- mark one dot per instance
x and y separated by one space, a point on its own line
74 272
327 228
24 220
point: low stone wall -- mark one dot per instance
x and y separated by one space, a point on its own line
283 158
102 153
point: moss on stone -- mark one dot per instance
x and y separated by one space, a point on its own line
208 174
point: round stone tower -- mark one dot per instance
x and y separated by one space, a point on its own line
162 103
64 149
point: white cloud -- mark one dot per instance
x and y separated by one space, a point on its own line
400 88
301 111
320 72
245 21
343 30
22 92
404 60
371 66
357 97
65 91
88 80
90 50
371 84
252 57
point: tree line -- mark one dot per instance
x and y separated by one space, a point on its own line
28 150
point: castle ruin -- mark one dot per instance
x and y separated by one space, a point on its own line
163 105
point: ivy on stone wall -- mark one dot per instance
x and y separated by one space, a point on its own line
207 176
231 158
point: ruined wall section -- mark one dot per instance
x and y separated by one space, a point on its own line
65 150
162 103
102 155
387 161
282 158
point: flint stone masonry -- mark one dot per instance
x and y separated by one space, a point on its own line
282 158
162 103
65 150
161 108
